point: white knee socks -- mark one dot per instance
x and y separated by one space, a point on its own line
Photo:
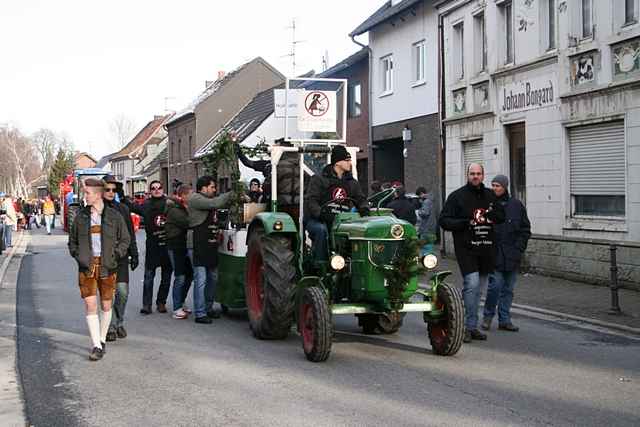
94 329
104 325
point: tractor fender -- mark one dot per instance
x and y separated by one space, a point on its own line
437 278
270 222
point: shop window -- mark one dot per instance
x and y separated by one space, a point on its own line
598 169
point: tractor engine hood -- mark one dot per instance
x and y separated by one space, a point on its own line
376 228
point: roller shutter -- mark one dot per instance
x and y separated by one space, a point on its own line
472 152
597 159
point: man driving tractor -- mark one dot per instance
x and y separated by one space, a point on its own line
335 183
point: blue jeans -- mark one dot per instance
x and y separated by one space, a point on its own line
471 288
8 229
163 290
204 287
119 304
319 235
500 294
179 291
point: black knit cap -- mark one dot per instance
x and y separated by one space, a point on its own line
338 153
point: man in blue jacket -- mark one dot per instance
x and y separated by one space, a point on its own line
511 239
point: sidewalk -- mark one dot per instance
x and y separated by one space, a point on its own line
11 405
564 296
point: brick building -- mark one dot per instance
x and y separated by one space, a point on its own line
191 128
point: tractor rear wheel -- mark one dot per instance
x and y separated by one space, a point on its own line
315 324
72 211
270 285
447 331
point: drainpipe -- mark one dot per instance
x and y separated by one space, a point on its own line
442 115
370 112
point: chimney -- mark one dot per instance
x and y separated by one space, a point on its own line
220 74
156 117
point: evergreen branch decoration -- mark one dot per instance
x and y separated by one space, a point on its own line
403 267
222 159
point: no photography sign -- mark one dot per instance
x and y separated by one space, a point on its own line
317 111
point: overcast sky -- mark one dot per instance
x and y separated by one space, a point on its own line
73 65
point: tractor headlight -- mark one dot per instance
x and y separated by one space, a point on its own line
278 226
430 261
337 262
397 231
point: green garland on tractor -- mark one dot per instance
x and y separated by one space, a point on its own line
223 160
401 270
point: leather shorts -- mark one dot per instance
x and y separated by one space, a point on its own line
90 282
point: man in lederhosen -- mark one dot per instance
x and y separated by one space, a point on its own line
202 207
98 239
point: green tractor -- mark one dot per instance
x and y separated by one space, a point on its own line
372 273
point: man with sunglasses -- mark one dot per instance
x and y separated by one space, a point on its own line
156 254
470 213
116 329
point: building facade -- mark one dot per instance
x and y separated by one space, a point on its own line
190 129
403 41
123 163
547 93
355 69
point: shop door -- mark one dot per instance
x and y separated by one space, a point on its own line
517 165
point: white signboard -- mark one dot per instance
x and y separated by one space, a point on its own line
278 100
528 94
317 111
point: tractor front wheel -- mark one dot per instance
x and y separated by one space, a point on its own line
446 331
315 324
270 285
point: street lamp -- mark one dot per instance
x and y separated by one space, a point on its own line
406 138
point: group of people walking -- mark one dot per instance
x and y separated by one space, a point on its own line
181 240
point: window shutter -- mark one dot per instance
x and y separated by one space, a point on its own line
597 159
472 151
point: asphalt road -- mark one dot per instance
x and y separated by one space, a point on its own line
176 372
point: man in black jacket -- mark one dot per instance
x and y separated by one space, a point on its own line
470 213
402 207
334 184
156 254
512 237
117 330
98 239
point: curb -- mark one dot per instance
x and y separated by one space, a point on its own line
12 409
589 320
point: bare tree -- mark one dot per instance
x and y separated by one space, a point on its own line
20 165
122 129
45 142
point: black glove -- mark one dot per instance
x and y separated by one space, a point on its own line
134 262
363 211
326 217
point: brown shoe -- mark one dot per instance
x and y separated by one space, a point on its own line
161 308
